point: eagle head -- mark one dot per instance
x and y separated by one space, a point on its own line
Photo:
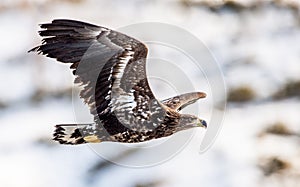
187 121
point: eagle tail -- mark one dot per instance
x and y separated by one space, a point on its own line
72 134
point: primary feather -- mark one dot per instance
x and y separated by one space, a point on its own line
111 70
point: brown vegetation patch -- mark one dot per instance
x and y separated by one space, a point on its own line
241 94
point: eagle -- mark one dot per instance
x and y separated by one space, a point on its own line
110 68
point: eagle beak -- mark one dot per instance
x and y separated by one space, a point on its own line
202 123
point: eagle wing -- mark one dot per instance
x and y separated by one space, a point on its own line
111 69
179 102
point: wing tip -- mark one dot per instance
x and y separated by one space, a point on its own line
201 94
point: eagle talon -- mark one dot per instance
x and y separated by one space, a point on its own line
121 100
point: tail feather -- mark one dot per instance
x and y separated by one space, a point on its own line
70 134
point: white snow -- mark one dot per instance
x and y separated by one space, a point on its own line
258 48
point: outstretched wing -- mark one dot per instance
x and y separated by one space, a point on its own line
181 101
110 67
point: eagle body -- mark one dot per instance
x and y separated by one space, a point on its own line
110 68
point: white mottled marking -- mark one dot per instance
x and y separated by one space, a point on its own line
119 68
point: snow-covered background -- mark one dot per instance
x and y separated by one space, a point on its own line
257 46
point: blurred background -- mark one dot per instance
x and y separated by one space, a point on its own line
256 43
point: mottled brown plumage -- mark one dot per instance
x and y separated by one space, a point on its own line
111 70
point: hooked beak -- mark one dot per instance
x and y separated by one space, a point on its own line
202 123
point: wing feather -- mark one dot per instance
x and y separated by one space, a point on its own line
110 67
179 102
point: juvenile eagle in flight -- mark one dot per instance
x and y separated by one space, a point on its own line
111 70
